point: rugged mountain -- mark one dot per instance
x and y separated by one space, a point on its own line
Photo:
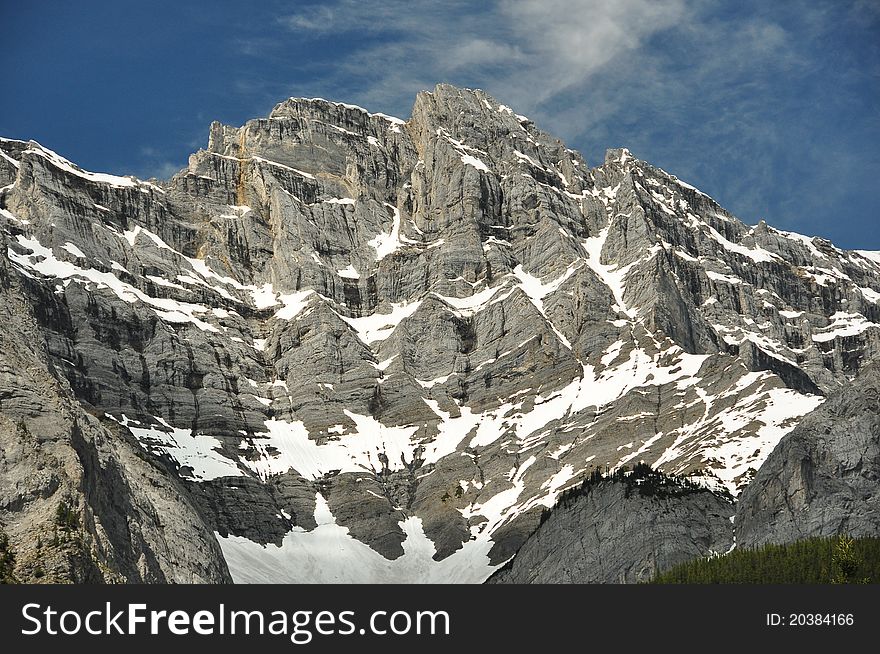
622 531
401 340
823 478
80 501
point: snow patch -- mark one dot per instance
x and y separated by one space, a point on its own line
471 160
386 244
843 324
196 455
379 326
293 303
44 262
349 272
329 554
287 446
75 251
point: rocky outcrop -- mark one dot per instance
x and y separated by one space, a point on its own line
823 479
79 499
619 532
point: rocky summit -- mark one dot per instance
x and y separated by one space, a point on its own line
342 346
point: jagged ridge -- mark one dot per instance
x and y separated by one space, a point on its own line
417 334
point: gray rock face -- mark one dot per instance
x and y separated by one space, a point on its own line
419 330
130 520
822 478
615 534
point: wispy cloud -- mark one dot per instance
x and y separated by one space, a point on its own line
572 64
155 163
314 19
688 84
526 51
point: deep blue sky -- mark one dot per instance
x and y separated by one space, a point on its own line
773 108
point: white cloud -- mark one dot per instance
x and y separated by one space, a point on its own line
575 66
319 19
569 41
690 85
159 169
526 52
154 163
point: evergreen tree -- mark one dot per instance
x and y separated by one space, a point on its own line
846 562
66 516
7 560
811 561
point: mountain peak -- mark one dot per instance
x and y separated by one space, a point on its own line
618 157
336 325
